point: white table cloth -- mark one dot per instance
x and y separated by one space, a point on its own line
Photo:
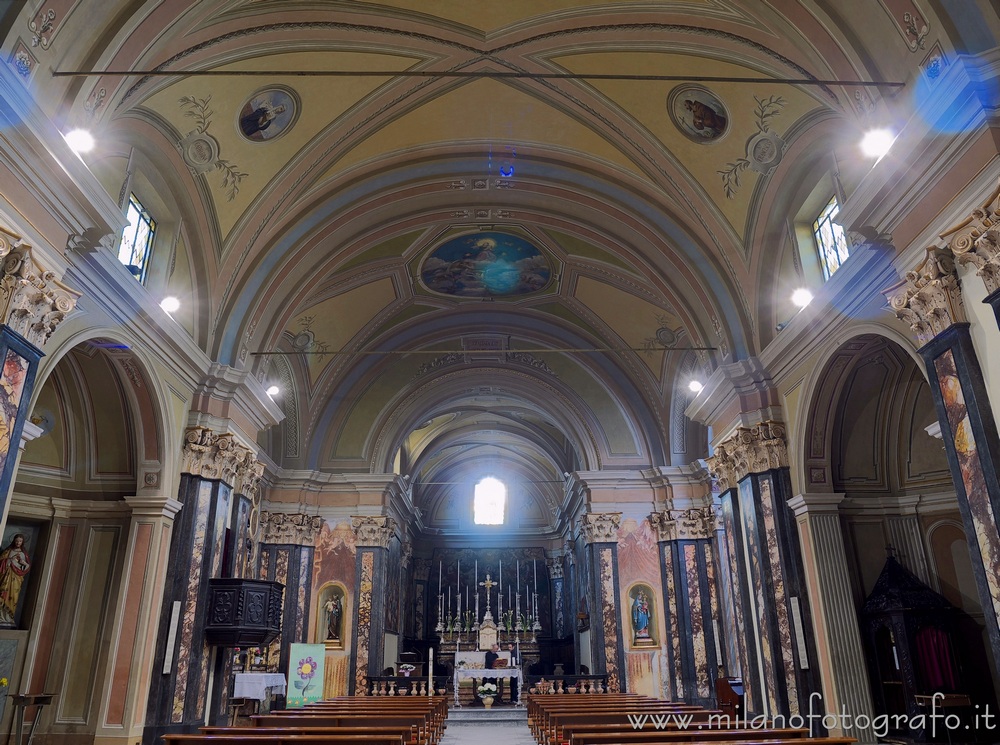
260 686
481 672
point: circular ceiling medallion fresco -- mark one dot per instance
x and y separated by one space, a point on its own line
268 114
698 113
487 264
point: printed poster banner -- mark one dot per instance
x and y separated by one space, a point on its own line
305 674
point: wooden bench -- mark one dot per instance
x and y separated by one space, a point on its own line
591 735
657 738
282 739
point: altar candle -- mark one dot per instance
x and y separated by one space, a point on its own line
440 565
477 575
458 579
500 589
449 600
534 570
518 576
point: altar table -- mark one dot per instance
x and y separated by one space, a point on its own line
481 672
259 686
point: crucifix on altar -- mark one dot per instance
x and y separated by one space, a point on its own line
487 629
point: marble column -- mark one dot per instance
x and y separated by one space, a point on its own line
373 534
32 304
688 576
752 468
287 546
600 533
842 653
191 681
930 300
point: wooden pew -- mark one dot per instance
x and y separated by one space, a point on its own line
282 739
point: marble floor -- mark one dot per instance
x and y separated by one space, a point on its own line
478 734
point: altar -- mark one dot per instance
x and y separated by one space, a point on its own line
512 673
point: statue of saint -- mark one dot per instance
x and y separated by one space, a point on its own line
334 609
640 616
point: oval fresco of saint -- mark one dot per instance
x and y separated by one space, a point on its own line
487 264
268 114
698 113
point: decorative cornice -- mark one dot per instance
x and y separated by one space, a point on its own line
373 530
929 299
750 450
600 527
676 525
32 301
213 456
976 241
294 529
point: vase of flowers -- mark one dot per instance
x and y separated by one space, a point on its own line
487 692
405 669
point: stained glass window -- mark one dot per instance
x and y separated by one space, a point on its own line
830 239
490 499
137 239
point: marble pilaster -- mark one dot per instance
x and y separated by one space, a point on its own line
599 531
829 586
373 533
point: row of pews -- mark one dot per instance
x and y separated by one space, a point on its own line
623 718
338 721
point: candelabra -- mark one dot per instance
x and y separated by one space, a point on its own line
439 629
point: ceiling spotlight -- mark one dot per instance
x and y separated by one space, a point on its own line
80 141
695 386
273 390
802 297
877 142
170 304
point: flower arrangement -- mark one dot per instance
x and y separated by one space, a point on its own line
487 689
406 669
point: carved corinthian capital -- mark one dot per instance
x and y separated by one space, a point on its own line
295 529
373 530
213 456
675 525
555 566
600 527
929 299
976 241
32 301
751 450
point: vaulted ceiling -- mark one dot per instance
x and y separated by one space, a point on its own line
473 236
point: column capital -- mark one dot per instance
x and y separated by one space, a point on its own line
373 530
600 527
929 299
153 506
554 563
816 504
32 301
690 524
976 241
290 529
211 455
756 449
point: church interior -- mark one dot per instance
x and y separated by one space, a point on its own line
659 339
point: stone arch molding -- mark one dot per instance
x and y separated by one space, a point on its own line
805 439
420 405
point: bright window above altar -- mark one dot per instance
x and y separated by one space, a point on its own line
490 499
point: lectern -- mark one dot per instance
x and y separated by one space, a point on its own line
21 702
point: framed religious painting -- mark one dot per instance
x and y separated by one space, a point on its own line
18 557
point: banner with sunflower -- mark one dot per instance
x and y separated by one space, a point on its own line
305 674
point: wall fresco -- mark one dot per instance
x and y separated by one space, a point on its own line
778 583
973 479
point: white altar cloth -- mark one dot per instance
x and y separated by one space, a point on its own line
481 672
260 686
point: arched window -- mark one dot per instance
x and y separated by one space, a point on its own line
831 241
490 501
137 239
